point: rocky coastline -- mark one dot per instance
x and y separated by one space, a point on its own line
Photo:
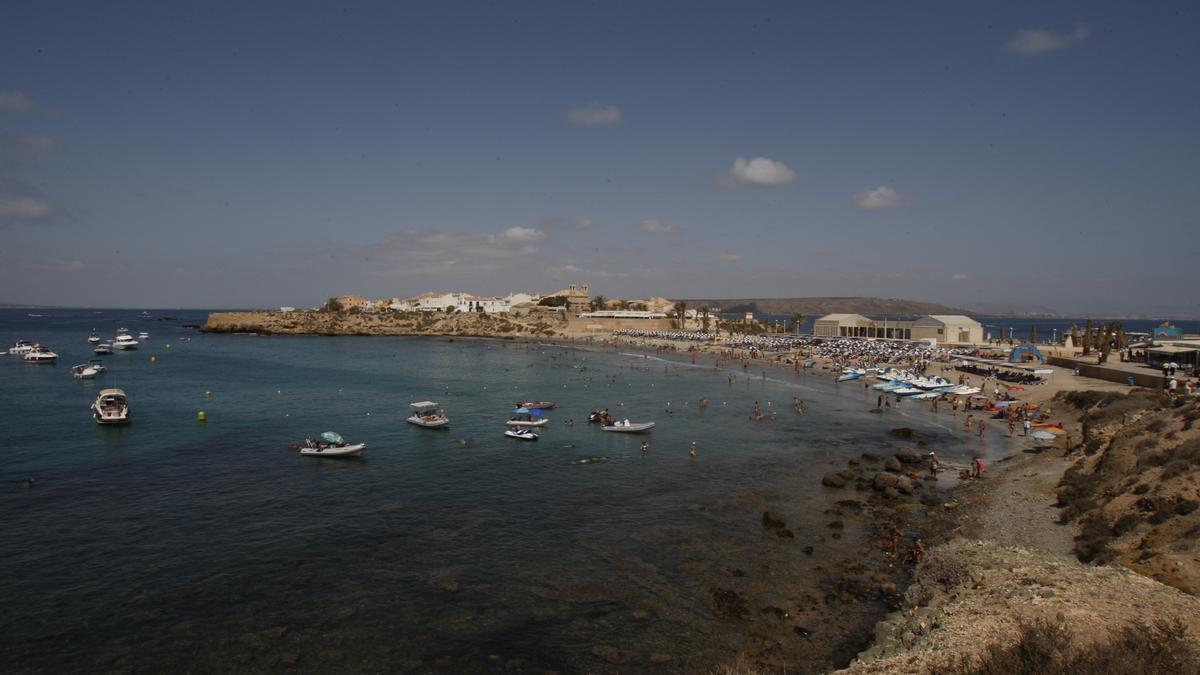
324 322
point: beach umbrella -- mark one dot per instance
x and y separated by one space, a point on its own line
522 409
332 437
1042 435
536 412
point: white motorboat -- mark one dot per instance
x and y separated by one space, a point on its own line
426 414
527 421
353 450
143 336
40 354
111 407
521 434
124 341
21 348
103 348
847 376
629 427
907 391
84 371
97 365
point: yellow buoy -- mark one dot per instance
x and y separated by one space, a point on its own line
200 416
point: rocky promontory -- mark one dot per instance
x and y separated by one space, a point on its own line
328 322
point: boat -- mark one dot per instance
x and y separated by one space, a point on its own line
40 354
629 427
21 348
97 365
907 391
538 405
845 377
124 341
103 348
93 338
334 446
111 407
84 371
143 336
598 417
426 414
526 420
521 434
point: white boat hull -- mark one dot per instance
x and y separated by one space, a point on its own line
428 424
527 423
110 417
344 451
639 428
520 436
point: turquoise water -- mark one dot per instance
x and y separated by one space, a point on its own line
171 544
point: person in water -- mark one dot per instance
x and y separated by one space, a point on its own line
692 449
645 447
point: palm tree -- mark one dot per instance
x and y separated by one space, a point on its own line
1088 338
704 312
1074 334
1033 334
679 309
797 321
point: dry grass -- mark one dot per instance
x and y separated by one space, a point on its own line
1051 648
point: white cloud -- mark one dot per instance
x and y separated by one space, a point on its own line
524 234
15 101
759 171
960 276
583 223
1034 41
882 197
731 257
570 269
24 210
594 115
653 226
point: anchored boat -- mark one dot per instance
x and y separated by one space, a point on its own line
426 414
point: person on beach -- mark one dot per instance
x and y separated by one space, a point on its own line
935 463
1025 424
970 421
982 426
954 406
917 554
1012 426
692 449
879 402
894 543
978 467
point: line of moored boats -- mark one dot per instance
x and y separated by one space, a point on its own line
909 384
111 405
526 416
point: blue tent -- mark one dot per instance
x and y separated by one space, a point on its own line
1028 349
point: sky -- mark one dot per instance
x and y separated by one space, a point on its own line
257 154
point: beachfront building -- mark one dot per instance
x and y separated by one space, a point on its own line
954 328
623 314
857 325
1185 353
941 328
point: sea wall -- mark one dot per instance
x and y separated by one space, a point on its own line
1089 368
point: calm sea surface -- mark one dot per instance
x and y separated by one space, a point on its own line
172 544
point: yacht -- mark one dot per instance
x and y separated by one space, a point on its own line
111 407
124 341
40 354
21 348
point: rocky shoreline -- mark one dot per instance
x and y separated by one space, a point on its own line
320 322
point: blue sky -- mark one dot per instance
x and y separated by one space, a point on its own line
258 154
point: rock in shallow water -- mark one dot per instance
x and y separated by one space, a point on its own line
833 480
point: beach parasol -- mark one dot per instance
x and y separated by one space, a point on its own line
1042 435
520 410
332 437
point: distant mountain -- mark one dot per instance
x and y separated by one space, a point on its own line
815 307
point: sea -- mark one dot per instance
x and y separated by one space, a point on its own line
175 544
